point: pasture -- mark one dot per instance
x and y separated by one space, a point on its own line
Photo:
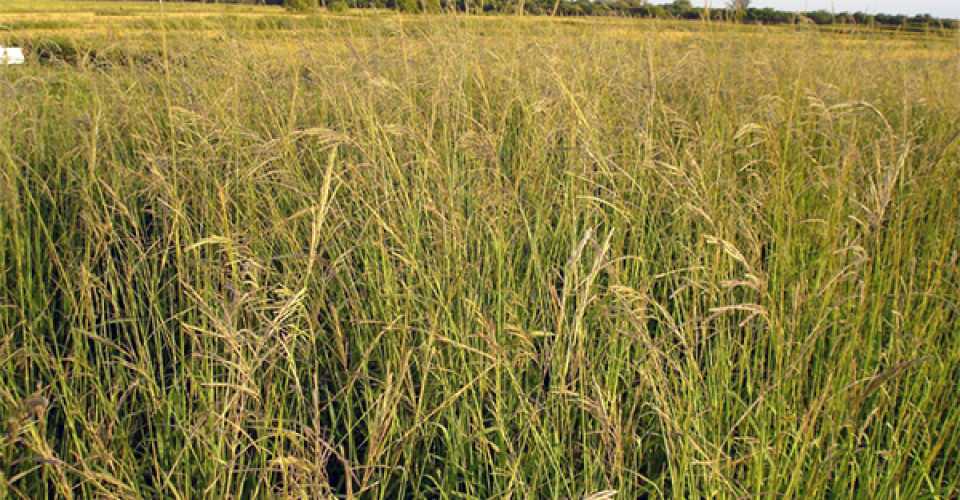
250 254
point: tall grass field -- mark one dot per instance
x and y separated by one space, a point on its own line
250 254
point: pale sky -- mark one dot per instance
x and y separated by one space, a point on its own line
937 8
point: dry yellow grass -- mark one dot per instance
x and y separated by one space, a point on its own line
386 256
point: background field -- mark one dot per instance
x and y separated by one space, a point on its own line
247 254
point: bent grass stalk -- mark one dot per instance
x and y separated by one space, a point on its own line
388 256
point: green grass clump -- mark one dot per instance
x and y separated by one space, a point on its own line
455 257
38 25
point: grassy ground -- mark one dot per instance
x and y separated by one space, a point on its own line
448 257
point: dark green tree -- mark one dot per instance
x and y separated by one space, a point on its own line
738 8
738 5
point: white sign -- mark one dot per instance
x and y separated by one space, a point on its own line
11 55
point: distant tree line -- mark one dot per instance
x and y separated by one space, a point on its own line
736 10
